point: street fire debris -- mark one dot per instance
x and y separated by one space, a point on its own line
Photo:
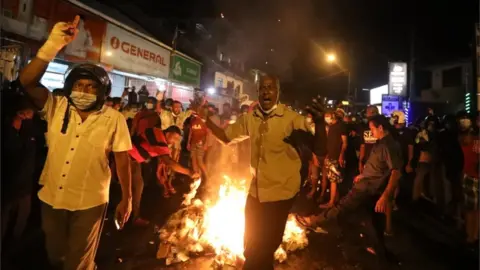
217 227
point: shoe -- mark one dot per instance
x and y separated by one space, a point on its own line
140 222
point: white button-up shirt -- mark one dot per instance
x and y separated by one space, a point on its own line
76 175
168 119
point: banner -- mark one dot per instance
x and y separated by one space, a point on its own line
87 45
390 104
397 81
185 71
126 51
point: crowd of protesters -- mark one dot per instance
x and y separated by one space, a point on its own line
436 159
81 138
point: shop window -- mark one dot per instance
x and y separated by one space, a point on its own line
219 83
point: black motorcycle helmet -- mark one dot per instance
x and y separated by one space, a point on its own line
90 72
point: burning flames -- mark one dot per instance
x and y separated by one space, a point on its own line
217 228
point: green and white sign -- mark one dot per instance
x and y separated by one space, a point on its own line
185 71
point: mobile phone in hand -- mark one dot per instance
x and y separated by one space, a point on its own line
118 224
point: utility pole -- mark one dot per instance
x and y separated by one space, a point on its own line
411 64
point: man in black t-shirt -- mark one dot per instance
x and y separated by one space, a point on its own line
335 159
368 140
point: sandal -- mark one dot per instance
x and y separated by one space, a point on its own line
306 224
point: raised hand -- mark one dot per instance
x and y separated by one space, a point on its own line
61 35
317 107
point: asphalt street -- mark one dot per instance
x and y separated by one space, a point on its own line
419 242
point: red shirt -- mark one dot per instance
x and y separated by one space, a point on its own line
148 144
144 119
198 130
471 159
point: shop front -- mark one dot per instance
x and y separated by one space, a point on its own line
131 58
184 77
141 62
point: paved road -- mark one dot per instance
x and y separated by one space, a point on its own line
135 248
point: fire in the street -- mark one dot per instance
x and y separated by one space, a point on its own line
217 227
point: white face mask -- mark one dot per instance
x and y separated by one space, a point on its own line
149 106
83 100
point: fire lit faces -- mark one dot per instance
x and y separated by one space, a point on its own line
267 92
172 138
177 108
377 132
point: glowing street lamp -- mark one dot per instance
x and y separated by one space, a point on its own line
331 58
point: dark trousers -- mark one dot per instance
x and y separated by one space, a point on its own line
264 228
72 237
15 215
361 201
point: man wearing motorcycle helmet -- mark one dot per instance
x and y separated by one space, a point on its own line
405 138
81 134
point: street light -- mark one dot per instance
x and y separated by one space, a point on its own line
331 58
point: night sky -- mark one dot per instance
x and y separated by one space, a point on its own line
289 38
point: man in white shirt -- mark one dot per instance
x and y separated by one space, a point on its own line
76 176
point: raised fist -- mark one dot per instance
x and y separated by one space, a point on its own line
62 34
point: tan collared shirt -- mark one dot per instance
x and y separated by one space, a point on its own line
276 164
168 119
76 175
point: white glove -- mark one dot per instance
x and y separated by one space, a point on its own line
62 34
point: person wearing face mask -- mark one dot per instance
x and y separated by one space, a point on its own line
371 193
18 168
81 134
174 116
148 114
144 119
275 165
334 164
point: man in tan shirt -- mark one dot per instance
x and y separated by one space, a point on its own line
276 168
76 176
